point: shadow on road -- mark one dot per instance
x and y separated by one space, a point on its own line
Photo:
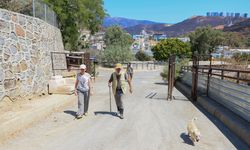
161 83
70 112
105 113
186 139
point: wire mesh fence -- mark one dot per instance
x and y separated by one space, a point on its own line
35 8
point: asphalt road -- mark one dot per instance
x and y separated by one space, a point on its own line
151 122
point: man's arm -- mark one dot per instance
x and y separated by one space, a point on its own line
110 80
76 84
90 86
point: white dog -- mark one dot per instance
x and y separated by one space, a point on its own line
193 131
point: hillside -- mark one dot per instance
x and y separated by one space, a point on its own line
242 27
124 22
185 26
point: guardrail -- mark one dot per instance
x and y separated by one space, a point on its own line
220 72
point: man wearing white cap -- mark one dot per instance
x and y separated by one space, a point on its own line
118 81
83 89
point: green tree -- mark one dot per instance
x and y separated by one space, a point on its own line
116 36
75 15
204 40
165 48
142 56
118 44
233 39
115 53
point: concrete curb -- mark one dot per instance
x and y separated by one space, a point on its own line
40 109
236 124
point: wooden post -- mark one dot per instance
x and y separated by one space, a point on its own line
194 77
209 73
222 74
87 62
238 77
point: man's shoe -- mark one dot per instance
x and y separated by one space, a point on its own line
121 116
78 116
86 114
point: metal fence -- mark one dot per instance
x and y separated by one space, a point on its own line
38 9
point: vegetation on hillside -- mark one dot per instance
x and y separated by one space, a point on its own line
118 44
75 16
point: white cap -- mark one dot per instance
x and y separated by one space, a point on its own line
82 66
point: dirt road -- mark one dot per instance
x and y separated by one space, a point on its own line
150 123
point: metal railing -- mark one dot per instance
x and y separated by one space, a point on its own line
220 72
35 8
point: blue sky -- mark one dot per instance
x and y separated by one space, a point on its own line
172 11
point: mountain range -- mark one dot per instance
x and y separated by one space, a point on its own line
125 22
174 30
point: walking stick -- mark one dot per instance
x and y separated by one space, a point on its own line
110 107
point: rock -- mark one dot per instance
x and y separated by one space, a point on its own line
1 96
4 26
1 41
13 49
27 56
7 51
29 35
16 68
20 31
23 65
9 84
6 16
1 75
22 20
14 18
6 57
9 74
13 36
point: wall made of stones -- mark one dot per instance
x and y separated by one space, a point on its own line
26 44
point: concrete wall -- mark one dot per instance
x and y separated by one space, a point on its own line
233 96
25 59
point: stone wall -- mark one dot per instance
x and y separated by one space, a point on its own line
26 44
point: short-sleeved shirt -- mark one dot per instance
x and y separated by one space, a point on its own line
83 82
130 70
119 85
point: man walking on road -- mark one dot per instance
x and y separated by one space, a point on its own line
130 71
83 90
118 81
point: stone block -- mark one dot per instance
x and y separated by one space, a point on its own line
13 36
14 18
2 41
1 75
21 19
6 57
4 26
9 84
23 65
9 74
13 49
19 31
6 15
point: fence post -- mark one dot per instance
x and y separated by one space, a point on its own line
45 12
238 77
194 78
222 74
34 9
52 63
87 62
209 74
